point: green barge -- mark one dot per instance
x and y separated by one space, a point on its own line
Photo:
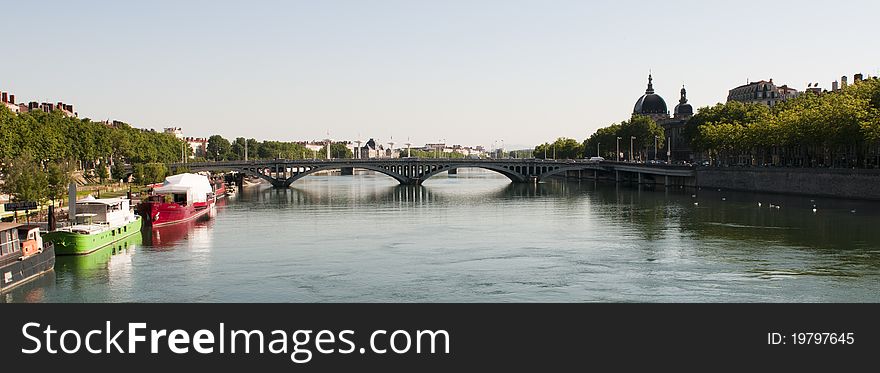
99 223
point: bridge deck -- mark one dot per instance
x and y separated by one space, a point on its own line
283 172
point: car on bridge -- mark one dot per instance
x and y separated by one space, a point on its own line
596 159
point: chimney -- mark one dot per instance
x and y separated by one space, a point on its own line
12 99
3 97
857 78
843 80
834 86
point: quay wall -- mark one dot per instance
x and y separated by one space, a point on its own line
825 182
841 183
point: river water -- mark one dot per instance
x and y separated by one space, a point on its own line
475 237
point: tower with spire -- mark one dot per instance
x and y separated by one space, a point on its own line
675 147
683 110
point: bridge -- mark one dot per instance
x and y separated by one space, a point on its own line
281 173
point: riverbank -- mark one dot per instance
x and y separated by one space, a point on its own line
825 182
820 182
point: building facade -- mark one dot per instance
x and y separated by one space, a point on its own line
652 105
763 92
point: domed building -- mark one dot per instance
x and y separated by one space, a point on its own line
683 110
652 105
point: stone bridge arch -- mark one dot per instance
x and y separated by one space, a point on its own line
296 175
509 171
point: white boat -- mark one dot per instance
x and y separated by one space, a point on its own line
99 222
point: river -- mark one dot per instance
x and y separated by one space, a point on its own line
476 237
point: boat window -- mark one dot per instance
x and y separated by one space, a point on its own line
8 243
180 199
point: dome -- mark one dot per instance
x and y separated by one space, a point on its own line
683 107
650 102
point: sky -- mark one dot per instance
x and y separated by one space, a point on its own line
477 72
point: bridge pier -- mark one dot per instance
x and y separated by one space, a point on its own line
281 173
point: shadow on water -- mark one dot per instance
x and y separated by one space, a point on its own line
33 291
840 234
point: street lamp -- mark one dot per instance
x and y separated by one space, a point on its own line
631 138
618 148
669 150
597 148
655 146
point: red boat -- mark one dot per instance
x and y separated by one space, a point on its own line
181 198
220 189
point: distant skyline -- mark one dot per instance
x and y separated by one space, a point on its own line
469 72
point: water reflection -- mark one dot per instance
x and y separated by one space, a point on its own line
476 237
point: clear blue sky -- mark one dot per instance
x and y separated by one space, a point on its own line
470 72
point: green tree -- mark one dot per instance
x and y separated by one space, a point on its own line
101 172
118 171
218 148
562 148
640 131
58 179
337 150
138 174
24 180
155 172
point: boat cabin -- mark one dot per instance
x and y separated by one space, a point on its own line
90 210
183 189
19 240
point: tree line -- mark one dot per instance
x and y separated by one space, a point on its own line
643 131
832 129
220 149
40 151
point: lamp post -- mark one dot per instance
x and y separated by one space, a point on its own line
618 148
597 148
669 150
655 146
631 138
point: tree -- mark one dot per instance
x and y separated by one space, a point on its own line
101 173
155 172
138 174
218 148
118 171
337 150
58 179
562 148
238 146
603 142
641 130
24 180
